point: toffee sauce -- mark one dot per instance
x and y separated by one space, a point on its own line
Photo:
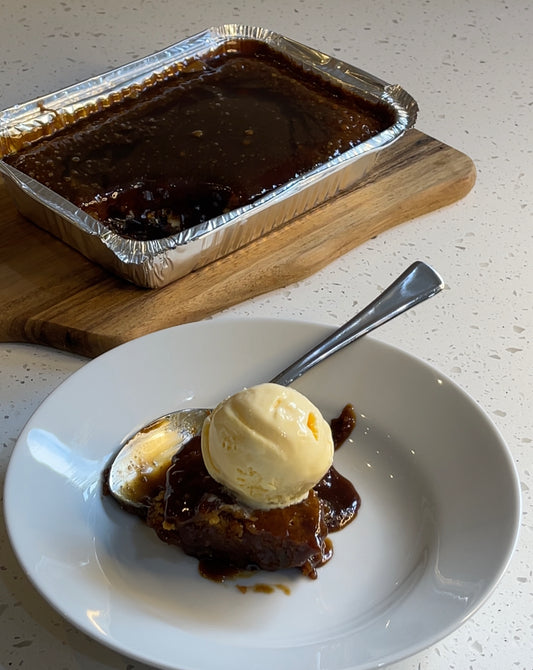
214 137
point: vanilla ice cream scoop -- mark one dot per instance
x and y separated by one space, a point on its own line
268 444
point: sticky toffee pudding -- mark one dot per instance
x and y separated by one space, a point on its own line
211 138
193 511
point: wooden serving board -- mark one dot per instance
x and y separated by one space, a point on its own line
51 295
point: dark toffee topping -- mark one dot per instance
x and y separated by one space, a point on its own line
212 138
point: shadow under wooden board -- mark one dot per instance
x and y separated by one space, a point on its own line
51 295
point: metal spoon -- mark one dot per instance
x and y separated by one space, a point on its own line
145 457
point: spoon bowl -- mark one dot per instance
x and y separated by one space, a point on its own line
141 463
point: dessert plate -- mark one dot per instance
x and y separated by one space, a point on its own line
437 526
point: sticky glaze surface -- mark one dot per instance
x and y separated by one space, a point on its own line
210 139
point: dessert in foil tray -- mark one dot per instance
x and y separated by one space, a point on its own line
166 164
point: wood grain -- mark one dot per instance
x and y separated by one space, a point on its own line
51 295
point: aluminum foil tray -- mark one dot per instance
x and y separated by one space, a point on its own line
155 263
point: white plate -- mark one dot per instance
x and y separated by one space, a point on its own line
437 526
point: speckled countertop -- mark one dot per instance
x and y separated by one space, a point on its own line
469 65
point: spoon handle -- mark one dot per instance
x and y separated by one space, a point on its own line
413 286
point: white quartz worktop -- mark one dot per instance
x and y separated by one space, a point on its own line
468 63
